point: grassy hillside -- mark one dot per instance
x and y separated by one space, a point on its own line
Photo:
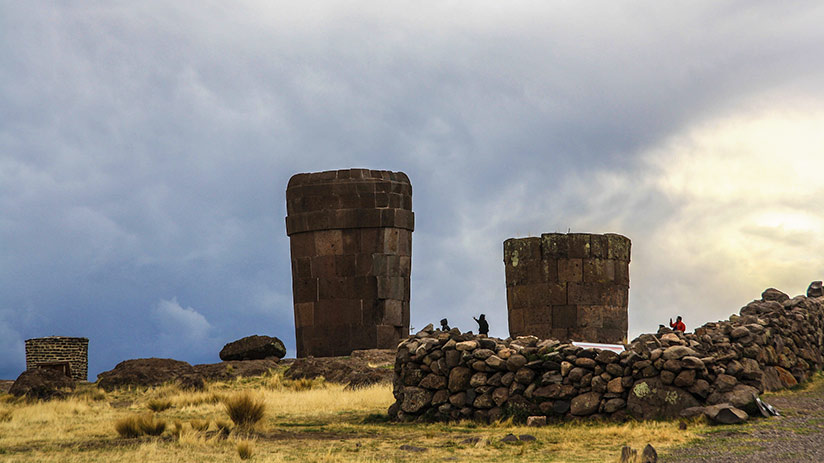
304 421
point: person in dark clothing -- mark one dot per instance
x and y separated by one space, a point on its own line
678 325
444 325
483 326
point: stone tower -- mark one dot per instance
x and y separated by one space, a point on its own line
350 234
571 287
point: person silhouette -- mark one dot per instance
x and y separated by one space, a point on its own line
678 325
483 326
444 325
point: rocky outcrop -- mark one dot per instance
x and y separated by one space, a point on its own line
362 368
42 383
150 372
775 343
253 348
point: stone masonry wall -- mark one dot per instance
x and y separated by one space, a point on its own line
775 343
570 287
351 246
40 352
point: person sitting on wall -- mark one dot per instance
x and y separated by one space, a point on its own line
483 326
678 325
444 325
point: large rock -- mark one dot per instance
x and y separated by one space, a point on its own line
772 294
725 414
149 372
253 348
41 383
816 289
585 404
651 399
227 371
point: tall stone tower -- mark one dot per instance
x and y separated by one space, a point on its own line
571 287
350 234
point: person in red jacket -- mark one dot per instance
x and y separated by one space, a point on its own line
678 325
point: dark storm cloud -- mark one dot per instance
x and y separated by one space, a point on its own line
145 148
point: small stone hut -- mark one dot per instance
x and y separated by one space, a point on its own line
69 355
350 234
569 287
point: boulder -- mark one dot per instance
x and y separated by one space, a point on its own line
725 414
585 404
678 352
41 383
772 294
227 371
816 289
253 348
148 372
415 399
651 399
459 379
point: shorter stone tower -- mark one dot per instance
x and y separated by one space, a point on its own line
69 355
570 287
350 233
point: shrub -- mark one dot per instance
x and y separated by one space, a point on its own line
151 426
223 427
244 410
128 427
136 426
158 405
245 449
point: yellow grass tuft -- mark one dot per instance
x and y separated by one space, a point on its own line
135 426
244 410
245 449
158 405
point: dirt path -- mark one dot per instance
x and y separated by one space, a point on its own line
796 436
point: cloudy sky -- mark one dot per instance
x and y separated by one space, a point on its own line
145 149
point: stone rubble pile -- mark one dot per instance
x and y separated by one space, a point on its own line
775 343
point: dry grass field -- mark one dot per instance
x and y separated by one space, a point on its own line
303 421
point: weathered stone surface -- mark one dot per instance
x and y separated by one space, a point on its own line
568 286
725 414
772 294
585 404
350 235
362 368
459 379
71 355
816 289
41 383
253 348
148 372
651 399
678 352
415 399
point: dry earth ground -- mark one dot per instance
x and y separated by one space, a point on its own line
796 436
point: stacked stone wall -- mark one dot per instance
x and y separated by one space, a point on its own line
570 287
351 247
775 343
56 351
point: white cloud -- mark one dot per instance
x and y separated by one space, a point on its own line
181 330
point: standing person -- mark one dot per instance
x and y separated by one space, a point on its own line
483 326
678 325
444 325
